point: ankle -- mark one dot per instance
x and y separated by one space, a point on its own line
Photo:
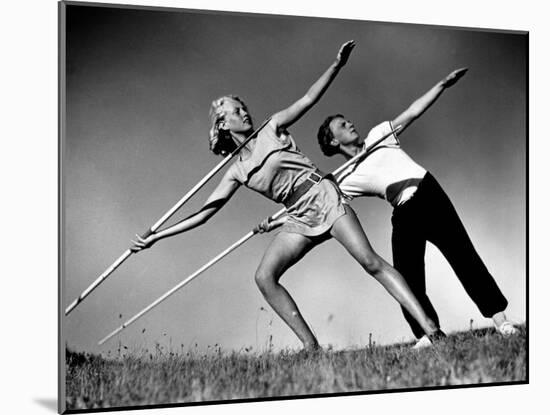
437 335
311 345
499 318
432 328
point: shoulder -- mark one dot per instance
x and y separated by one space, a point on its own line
279 134
274 128
379 131
273 124
235 172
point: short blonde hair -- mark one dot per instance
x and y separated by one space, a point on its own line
219 142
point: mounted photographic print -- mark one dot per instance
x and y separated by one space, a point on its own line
261 206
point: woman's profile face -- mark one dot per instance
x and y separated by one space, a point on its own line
235 116
343 131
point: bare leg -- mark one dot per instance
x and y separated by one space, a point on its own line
284 251
348 231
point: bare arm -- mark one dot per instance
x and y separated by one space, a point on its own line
226 188
290 115
419 106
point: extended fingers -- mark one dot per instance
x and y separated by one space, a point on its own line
345 51
454 76
457 74
460 71
346 48
349 44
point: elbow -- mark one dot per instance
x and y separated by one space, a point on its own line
203 219
197 220
206 215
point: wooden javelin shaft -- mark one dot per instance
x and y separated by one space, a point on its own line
163 219
241 241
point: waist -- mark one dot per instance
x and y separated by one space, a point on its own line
400 192
311 180
417 194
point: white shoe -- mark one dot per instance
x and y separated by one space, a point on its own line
507 329
423 343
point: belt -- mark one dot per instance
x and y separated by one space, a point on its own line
314 178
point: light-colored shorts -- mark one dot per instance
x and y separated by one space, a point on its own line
316 211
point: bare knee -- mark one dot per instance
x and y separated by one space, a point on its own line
372 263
265 281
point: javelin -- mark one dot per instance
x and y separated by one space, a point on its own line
163 219
241 241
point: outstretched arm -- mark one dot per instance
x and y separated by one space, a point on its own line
226 188
419 106
290 115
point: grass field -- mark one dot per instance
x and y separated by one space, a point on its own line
473 357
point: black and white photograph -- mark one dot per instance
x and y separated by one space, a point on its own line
261 206
247 207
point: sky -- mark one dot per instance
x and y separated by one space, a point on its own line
139 84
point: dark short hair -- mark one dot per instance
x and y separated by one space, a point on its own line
325 136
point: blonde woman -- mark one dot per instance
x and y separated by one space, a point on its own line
272 165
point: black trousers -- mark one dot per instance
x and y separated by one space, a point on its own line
430 216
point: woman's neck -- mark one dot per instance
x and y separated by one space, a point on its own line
351 150
239 138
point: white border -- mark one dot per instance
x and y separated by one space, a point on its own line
29 210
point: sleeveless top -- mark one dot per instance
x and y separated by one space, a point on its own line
276 166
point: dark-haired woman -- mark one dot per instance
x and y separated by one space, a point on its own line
422 211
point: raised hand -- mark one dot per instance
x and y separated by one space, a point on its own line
345 52
453 77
